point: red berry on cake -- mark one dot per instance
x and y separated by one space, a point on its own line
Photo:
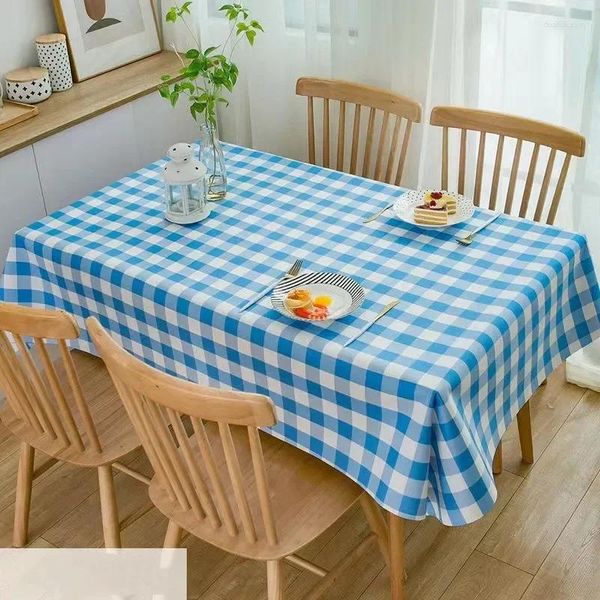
439 199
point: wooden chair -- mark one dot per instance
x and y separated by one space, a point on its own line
67 408
221 479
390 155
556 140
487 123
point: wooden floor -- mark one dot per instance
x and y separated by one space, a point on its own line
541 542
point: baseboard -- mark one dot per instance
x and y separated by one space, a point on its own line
581 371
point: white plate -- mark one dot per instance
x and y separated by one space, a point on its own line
404 208
346 294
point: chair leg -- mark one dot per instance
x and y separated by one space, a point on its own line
23 497
377 524
108 506
525 435
173 536
275 579
397 573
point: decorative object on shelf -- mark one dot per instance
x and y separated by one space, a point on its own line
185 186
105 35
53 55
96 10
15 112
205 74
30 85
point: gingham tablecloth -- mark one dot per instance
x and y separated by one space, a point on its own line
414 409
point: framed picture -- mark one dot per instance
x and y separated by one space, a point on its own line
105 34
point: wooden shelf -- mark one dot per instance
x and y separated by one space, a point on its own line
90 98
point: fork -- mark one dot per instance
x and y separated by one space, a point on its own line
468 239
292 272
378 213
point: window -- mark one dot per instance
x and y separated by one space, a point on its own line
295 17
581 9
518 34
293 11
533 62
213 8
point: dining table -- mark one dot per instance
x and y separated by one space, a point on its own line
414 408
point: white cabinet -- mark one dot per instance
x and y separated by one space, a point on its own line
86 157
21 199
76 162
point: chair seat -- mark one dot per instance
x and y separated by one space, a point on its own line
307 497
115 432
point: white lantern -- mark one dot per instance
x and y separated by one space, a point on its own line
185 186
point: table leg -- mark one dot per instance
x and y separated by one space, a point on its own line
497 463
396 525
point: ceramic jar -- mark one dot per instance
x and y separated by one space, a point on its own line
30 85
54 56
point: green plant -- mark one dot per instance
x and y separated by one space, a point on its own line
205 74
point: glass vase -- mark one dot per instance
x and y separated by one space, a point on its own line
211 156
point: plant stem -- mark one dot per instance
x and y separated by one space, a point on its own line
196 40
229 36
234 47
209 138
178 55
214 149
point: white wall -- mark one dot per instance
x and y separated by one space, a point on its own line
21 21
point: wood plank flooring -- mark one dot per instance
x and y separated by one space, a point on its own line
541 541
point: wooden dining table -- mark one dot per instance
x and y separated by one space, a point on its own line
414 408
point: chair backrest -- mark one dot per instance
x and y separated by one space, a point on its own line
541 135
159 406
390 139
33 388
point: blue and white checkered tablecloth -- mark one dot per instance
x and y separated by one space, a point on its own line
414 409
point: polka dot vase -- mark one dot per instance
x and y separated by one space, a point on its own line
30 85
54 56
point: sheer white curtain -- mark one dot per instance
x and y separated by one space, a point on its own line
536 58
584 367
404 45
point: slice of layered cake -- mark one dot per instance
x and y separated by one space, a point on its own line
425 214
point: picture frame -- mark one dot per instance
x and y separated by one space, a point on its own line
105 34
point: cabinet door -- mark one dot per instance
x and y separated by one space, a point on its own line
21 201
86 157
158 125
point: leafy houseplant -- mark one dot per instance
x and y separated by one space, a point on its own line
203 78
